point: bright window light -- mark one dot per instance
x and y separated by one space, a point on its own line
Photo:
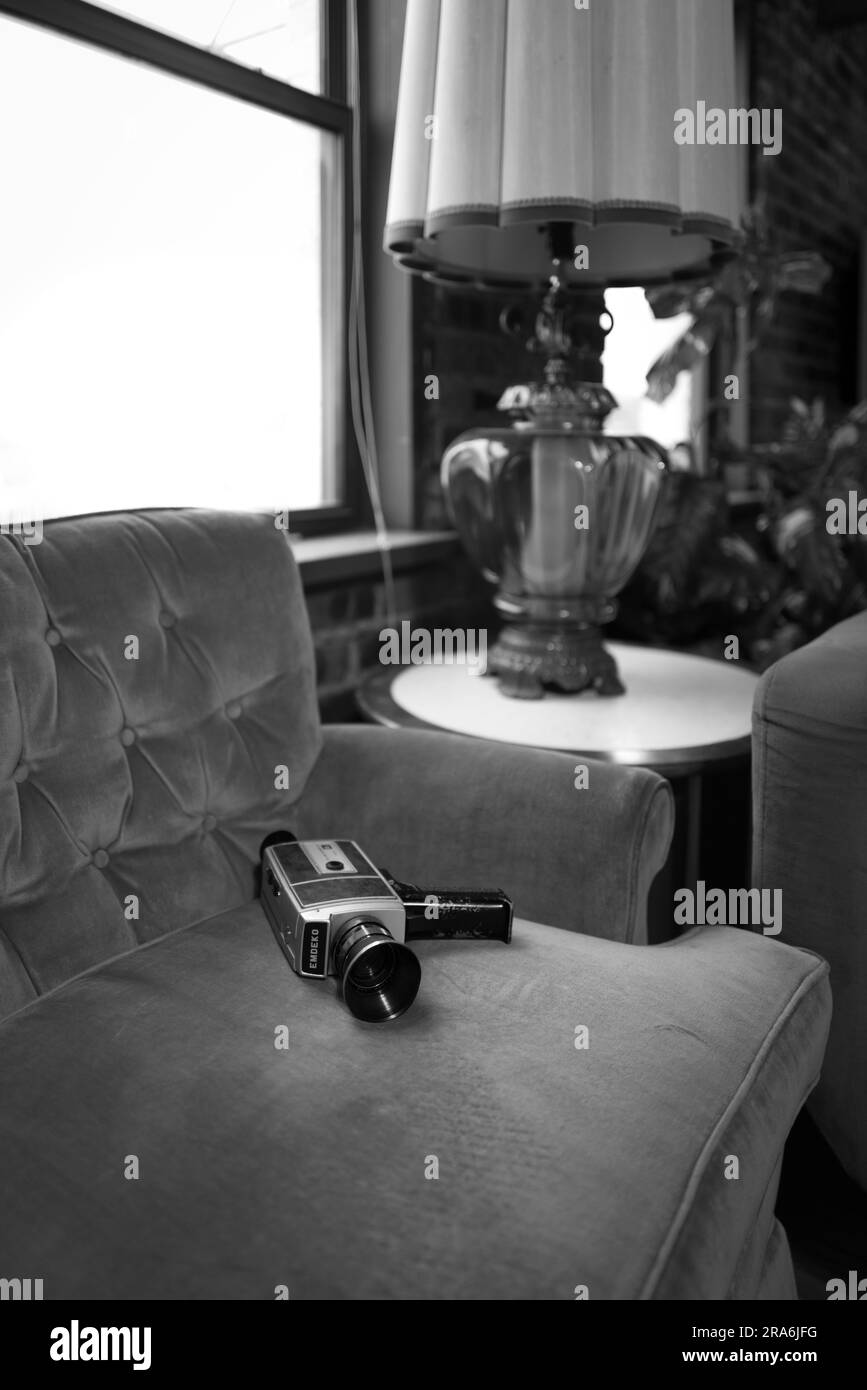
279 37
631 348
161 283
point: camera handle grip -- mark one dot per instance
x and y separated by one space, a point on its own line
454 914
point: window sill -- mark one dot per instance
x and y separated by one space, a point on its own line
355 554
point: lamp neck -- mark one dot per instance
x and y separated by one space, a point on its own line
567 333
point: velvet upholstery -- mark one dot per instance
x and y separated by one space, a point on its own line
305 1166
153 777
435 808
152 782
810 819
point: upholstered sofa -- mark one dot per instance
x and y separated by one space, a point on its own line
810 817
181 1117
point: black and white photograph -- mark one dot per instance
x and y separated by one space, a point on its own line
433 673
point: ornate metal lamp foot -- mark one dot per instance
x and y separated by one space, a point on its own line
530 657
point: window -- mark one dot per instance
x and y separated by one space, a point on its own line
172 261
633 345
279 37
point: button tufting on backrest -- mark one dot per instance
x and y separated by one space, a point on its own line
106 580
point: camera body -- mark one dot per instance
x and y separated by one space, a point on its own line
311 889
334 912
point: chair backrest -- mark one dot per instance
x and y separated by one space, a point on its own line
157 718
810 841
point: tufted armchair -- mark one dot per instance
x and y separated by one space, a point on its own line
181 1117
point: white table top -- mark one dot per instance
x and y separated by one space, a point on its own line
677 709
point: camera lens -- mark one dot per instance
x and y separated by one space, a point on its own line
379 977
374 968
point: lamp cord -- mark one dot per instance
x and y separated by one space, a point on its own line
359 365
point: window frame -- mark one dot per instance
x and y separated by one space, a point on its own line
329 112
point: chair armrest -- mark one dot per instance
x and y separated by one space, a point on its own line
809 814
443 810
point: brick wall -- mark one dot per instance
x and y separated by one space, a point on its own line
458 340
816 197
347 617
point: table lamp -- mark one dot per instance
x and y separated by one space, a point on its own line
535 150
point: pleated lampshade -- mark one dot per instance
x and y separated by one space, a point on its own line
514 114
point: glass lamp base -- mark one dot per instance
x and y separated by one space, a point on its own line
528 657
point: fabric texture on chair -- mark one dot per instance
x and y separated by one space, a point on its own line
438 809
810 840
137 781
305 1165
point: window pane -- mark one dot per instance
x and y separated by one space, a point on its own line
279 37
631 348
165 257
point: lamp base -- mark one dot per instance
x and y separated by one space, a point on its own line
529 656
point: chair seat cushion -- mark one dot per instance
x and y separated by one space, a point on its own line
311 1165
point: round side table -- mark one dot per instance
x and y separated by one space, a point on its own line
686 717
